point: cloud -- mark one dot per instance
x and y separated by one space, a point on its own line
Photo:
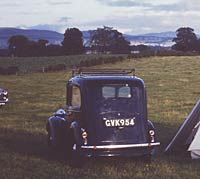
64 20
9 4
121 3
45 27
19 4
132 16
149 22
168 7
173 5
191 5
134 25
59 26
61 2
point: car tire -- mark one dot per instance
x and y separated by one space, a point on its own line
49 136
68 149
77 160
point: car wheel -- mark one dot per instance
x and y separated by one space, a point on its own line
76 159
49 137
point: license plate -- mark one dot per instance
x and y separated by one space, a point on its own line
119 122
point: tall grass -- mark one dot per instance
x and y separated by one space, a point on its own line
173 88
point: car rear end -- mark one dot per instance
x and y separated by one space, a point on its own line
117 118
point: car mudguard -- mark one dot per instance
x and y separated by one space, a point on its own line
76 134
150 125
56 125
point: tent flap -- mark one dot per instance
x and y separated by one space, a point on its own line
178 142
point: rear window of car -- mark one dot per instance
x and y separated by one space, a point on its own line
116 91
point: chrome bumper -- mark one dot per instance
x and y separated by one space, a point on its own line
120 146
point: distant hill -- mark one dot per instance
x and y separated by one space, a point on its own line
162 34
52 36
153 39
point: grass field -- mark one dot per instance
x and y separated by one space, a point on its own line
173 88
34 64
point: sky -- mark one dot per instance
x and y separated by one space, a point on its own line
127 16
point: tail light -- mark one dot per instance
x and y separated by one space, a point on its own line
152 135
84 136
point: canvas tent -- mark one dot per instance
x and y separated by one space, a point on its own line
194 147
188 136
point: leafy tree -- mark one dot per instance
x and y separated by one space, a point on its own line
186 40
33 49
100 39
42 46
119 44
107 39
36 49
18 45
43 42
21 46
73 42
54 50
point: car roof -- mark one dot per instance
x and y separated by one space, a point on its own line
115 75
80 80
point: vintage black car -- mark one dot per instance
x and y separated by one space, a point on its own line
106 116
3 97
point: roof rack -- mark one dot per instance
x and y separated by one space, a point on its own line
106 71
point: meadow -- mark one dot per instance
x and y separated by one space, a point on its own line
36 64
173 88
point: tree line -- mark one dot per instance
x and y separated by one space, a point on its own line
102 40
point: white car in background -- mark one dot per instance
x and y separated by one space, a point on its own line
3 97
